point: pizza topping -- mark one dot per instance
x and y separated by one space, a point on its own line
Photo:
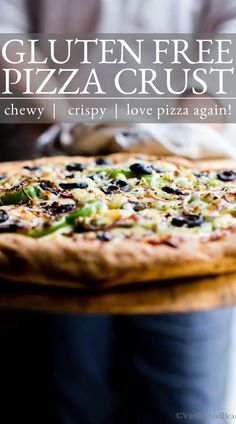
48 186
72 186
110 189
144 200
21 195
46 230
121 184
76 167
104 236
56 209
103 161
10 228
226 176
32 168
3 216
171 190
116 185
13 197
138 206
141 169
190 221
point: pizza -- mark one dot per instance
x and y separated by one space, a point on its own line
123 218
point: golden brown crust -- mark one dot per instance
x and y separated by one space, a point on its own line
116 157
216 164
64 261
58 260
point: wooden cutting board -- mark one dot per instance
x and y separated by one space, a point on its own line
176 296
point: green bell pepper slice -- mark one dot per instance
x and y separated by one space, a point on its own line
113 173
17 197
46 231
34 192
14 198
68 220
87 210
116 172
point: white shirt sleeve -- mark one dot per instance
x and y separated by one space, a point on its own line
13 16
217 16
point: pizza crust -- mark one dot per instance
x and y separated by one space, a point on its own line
115 157
57 260
62 261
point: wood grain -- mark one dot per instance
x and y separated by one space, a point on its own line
177 296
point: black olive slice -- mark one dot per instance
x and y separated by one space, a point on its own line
178 221
56 209
103 161
201 174
104 236
101 175
141 168
3 216
171 190
76 167
10 228
48 186
122 185
138 206
158 171
71 186
189 220
32 168
110 189
226 176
